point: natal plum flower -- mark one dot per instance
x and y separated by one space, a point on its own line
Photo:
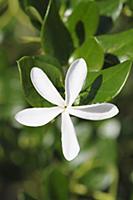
74 81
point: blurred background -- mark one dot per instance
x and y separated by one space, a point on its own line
32 166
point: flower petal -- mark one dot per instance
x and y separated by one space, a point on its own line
45 87
74 81
37 116
70 144
95 111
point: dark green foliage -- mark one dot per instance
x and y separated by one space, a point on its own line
101 32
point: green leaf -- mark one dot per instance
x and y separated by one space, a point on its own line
104 85
34 15
36 10
49 65
98 195
9 86
3 6
97 179
108 149
27 197
40 5
56 40
125 52
57 185
110 7
85 14
92 52
119 44
130 3
4 60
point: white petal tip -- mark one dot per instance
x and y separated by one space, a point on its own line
82 62
45 87
18 118
72 156
34 70
35 117
72 86
94 112
115 110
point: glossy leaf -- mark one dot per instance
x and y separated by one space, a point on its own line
56 40
34 15
36 10
92 52
49 65
83 15
110 8
119 44
104 85
40 5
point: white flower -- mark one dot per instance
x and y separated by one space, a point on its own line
74 81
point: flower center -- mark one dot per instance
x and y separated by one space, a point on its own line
65 108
